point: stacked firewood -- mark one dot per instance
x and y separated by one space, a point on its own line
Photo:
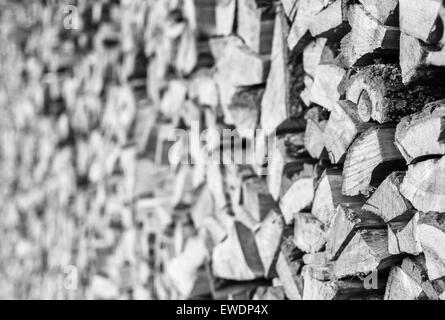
340 104
225 149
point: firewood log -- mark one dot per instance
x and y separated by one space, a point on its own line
225 17
315 289
343 126
307 10
255 26
331 22
403 235
268 238
418 135
245 111
420 21
275 106
203 208
328 196
202 89
256 198
314 53
269 293
237 257
367 38
370 159
283 164
217 186
382 10
314 135
309 232
235 177
185 269
290 8
325 89
431 234
231 72
380 94
298 196
288 267
401 286
423 185
420 62
416 268
345 224
173 98
367 252
387 202
234 57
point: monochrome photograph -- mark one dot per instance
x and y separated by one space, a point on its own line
245 151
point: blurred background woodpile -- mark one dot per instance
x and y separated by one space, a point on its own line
334 105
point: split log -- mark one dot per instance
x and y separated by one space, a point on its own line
281 164
203 90
418 135
307 10
231 73
403 236
367 38
203 208
298 196
269 293
288 266
343 126
217 186
186 272
421 20
256 198
309 232
380 94
223 289
255 25
370 159
387 202
332 22
234 57
401 286
279 96
367 252
325 89
290 8
328 196
431 234
245 111
420 62
416 268
173 99
268 239
385 11
424 186
317 52
315 289
314 135
225 17
235 177
346 223
237 257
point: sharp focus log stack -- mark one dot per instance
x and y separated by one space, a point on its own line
334 108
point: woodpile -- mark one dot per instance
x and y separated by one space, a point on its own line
225 149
